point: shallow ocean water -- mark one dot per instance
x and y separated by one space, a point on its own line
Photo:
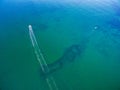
93 25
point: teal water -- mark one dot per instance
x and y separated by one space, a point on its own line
92 25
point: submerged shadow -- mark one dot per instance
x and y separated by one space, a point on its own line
69 56
43 27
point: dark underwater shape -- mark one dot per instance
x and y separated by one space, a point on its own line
114 23
43 27
68 56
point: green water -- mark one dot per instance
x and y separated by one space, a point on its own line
57 26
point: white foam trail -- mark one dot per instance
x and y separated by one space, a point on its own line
50 80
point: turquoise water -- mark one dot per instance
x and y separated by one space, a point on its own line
59 27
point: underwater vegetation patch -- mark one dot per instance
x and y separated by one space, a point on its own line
43 27
69 56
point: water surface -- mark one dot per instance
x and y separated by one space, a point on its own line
60 26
